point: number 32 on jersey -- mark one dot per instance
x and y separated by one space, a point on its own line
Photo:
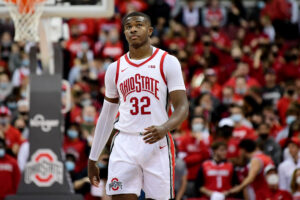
140 105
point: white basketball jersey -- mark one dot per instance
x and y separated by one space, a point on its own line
143 93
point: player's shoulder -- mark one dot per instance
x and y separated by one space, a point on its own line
170 57
112 67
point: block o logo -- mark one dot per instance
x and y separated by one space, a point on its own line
44 169
115 184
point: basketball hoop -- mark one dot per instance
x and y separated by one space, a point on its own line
26 16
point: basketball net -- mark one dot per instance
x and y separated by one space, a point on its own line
26 15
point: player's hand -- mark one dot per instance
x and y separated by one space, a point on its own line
93 173
235 190
154 134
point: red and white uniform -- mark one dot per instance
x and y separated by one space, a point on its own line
10 176
217 177
259 185
142 87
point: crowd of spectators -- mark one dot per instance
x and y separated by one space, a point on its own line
241 68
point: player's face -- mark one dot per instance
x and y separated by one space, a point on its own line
221 152
137 31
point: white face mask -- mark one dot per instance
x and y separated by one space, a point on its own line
272 179
298 180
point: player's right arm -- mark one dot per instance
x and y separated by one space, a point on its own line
104 124
255 168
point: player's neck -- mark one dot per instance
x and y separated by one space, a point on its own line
141 52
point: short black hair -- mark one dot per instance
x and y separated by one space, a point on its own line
248 145
217 144
136 14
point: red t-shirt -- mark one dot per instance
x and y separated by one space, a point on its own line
139 5
282 107
217 177
214 15
86 26
233 147
113 50
238 134
75 114
288 71
259 185
77 148
277 9
10 176
74 45
244 132
108 24
12 137
280 195
197 151
251 82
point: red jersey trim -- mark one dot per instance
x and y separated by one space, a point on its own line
138 65
172 164
162 67
117 72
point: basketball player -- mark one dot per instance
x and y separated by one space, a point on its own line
255 178
138 85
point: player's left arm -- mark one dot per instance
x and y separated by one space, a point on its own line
178 98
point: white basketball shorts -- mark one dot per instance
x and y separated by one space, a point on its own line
135 165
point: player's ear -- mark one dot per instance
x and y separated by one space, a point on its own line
150 31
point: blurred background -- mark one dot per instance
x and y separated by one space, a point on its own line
241 65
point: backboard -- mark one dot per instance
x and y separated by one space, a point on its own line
72 8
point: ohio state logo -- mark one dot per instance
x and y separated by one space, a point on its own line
44 169
115 184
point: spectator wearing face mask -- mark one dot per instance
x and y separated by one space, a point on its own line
229 99
242 127
271 92
295 184
20 74
290 96
194 151
273 181
85 52
291 116
9 173
113 47
75 145
23 110
287 167
5 87
88 120
216 176
242 70
79 179
268 144
220 39
12 136
76 39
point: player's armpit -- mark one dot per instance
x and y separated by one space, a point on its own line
181 109
112 100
